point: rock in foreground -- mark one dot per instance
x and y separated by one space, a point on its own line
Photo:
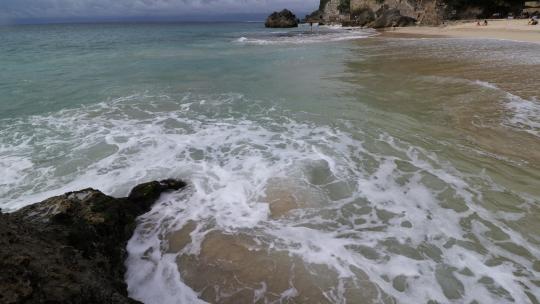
71 248
283 19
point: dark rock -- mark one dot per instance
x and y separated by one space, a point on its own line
391 18
283 19
361 17
151 191
314 17
71 248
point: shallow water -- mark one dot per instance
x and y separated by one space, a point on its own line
328 167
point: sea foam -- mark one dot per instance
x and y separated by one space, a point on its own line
525 112
325 34
379 210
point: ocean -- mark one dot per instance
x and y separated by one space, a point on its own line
330 165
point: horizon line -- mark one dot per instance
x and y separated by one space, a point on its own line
217 18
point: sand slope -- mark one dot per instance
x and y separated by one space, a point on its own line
517 30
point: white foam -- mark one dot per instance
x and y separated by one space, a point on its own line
327 35
525 113
486 84
10 166
231 159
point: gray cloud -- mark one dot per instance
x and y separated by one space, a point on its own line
24 9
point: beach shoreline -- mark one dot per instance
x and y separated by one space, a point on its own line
500 29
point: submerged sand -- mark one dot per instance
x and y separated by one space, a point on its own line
517 30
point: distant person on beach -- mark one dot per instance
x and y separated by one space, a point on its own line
478 23
485 22
533 21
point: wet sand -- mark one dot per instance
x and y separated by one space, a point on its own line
236 269
516 30
474 102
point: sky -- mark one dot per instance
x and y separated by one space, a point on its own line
17 11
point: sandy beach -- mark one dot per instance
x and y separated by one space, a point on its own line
517 30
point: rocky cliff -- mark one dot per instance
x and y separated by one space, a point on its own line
71 248
427 12
365 12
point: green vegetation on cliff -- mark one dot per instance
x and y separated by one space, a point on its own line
489 7
344 6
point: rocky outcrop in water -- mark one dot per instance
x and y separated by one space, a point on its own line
71 248
283 19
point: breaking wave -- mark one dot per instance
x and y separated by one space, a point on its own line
362 217
319 35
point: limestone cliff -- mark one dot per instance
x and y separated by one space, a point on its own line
424 11
354 11
428 12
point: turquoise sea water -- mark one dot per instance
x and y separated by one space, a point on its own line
48 68
325 166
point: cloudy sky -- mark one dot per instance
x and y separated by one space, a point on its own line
11 10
